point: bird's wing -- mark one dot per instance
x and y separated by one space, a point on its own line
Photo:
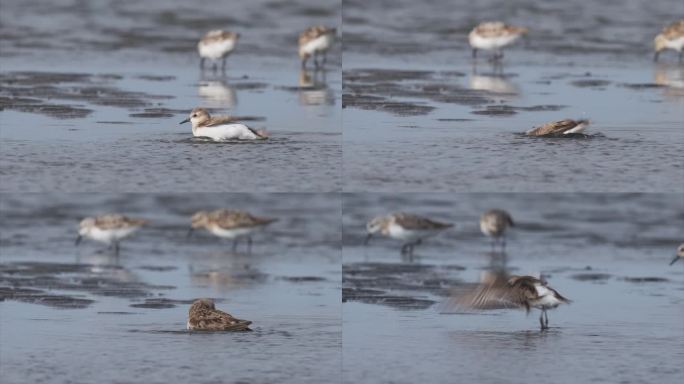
215 320
409 221
555 127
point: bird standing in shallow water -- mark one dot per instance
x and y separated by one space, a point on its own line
494 224
203 316
494 36
671 37
108 229
230 224
315 41
411 229
217 45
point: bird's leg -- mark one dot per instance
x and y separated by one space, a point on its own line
503 242
214 66
404 249
546 317
235 243
541 320
249 244
680 55
116 248
325 58
315 59
223 63
202 63
655 56
474 53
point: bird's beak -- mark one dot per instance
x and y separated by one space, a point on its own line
190 232
78 240
367 240
674 260
185 121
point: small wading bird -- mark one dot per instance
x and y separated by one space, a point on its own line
108 229
411 229
221 128
499 291
672 37
494 36
217 45
315 41
203 316
679 254
494 224
230 224
559 128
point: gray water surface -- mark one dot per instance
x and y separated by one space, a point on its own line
608 253
81 314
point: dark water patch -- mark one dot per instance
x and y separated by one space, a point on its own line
648 279
156 77
115 122
640 86
31 105
496 110
591 276
455 120
302 279
160 303
590 83
116 313
249 86
158 268
375 103
158 113
36 296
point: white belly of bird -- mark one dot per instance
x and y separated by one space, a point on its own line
579 128
398 232
676 44
217 49
110 235
233 233
487 43
319 44
547 298
226 132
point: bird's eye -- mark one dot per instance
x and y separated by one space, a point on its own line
195 115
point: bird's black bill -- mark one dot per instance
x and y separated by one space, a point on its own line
190 232
78 240
367 240
674 260
185 121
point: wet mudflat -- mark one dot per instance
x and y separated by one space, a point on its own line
107 117
81 314
420 113
609 253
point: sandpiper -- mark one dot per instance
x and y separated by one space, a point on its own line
494 35
411 229
108 229
679 254
494 224
672 37
215 45
559 128
315 41
230 224
203 316
220 128
498 291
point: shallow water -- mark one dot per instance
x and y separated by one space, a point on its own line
107 117
593 248
421 115
289 287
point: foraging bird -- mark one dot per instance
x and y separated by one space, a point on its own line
215 45
494 224
203 316
679 254
230 224
494 36
108 229
411 229
220 128
315 41
499 291
559 128
671 37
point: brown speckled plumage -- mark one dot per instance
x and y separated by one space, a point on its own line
203 316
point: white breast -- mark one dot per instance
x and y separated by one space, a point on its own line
676 44
398 232
226 132
217 49
479 42
232 233
110 235
319 44
547 298
577 129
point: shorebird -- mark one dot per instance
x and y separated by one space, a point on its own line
494 35
411 229
315 41
679 254
108 229
672 37
230 224
499 291
494 224
203 316
220 128
559 128
215 45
